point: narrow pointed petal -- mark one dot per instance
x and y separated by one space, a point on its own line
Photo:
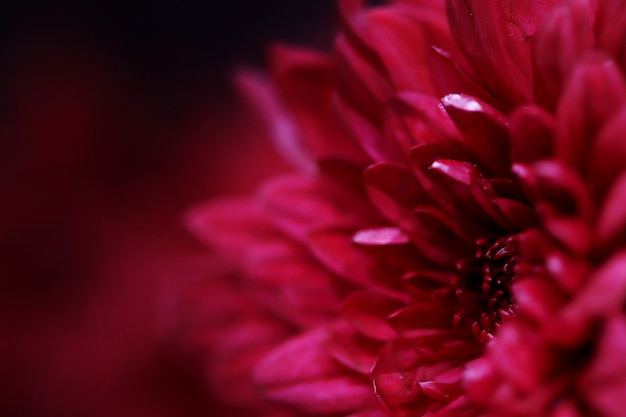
611 225
562 39
306 85
594 93
352 349
608 152
532 134
232 225
394 191
299 206
367 311
485 132
610 27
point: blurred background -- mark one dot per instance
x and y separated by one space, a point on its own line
116 116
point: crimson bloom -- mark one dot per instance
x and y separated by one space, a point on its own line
451 241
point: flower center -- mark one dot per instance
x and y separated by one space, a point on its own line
483 284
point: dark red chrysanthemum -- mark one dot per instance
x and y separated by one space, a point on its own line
453 232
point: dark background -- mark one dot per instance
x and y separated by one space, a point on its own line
115 117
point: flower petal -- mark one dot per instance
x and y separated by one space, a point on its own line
594 93
532 134
496 39
485 132
562 39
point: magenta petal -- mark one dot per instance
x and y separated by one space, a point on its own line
521 357
496 39
445 386
464 191
298 206
351 349
369 413
307 86
562 39
516 216
436 239
300 359
532 134
485 132
394 191
304 302
402 46
571 232
367 311
604 380
256 88
232 225
361 83
326 396
611 225
608 152
609 361
414 119
367 132
537 298
569 273
335 250
381 236
449 77
605 291
594 93
423 319
563 189
610 28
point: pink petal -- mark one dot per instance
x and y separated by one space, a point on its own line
233 225
449 77
517 216
570 273
496 39
351 349
611 225
304 302
393 190
610 25
532 134
360 82
609 361
593 94
381 236
302 358
413 119
445 386
307 86
608 152
436 240
602 297
520 356
402 46
335 250
366 132
562 189
562 39
326 396
422 319
298 205
367 311
537 298
485 132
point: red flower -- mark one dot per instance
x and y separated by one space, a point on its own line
454 230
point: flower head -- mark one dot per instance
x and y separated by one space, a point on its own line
453 233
